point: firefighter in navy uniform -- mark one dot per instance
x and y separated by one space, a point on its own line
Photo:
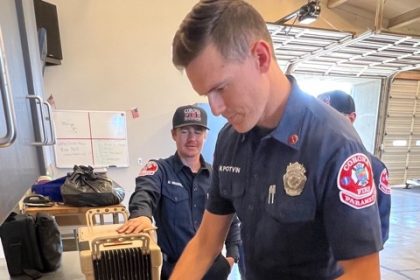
344 104
299 179
174 190
308 189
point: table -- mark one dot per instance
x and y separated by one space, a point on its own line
66 215
69 269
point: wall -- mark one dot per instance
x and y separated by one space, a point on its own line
117 55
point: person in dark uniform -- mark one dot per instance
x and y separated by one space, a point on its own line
344 104
174 190
298 177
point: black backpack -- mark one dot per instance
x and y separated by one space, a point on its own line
30 245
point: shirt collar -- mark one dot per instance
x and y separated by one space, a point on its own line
178 164
289 130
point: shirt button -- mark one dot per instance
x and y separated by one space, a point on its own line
250 207
176 198
195 205
195 189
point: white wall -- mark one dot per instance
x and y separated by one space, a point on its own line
117 55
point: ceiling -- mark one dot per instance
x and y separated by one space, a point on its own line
377 53
397 14
329 52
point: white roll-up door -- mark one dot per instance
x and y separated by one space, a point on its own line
401 142
373 55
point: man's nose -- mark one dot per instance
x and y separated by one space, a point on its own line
217 103
191 135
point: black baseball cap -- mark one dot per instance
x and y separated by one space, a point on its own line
189 115
339 100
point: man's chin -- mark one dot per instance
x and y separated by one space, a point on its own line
192 153
241 128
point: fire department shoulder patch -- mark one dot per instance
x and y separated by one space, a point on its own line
384 182
355 182
149 169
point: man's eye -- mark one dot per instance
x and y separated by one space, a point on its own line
220 89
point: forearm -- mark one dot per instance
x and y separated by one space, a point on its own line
201 251
363 268
141 207
142 203
233 239
233 251
146 195
193 262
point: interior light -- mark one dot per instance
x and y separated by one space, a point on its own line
399 143
306 14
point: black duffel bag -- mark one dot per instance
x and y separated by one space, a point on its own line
84 187
49 240
30 245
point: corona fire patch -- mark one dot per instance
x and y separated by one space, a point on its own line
149 169
192 114
355 182
384 182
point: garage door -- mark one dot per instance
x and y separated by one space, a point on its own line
401 142
374 55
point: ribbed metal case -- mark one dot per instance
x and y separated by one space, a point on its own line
107 255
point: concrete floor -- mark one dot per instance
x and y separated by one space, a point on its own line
400 259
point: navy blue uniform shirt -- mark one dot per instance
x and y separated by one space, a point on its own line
381 176
304 192
168 190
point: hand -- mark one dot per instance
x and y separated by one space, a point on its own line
136 225
231 261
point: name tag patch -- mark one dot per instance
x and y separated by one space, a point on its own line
175 183
229 169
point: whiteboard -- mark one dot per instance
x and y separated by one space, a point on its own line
96 138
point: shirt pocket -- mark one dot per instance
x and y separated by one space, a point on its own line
291 209
175 205
174 193
230 187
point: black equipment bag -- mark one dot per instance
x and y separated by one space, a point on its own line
86 188
49 241
31 246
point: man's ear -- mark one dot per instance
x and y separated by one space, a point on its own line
352 117
262 52
173 133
